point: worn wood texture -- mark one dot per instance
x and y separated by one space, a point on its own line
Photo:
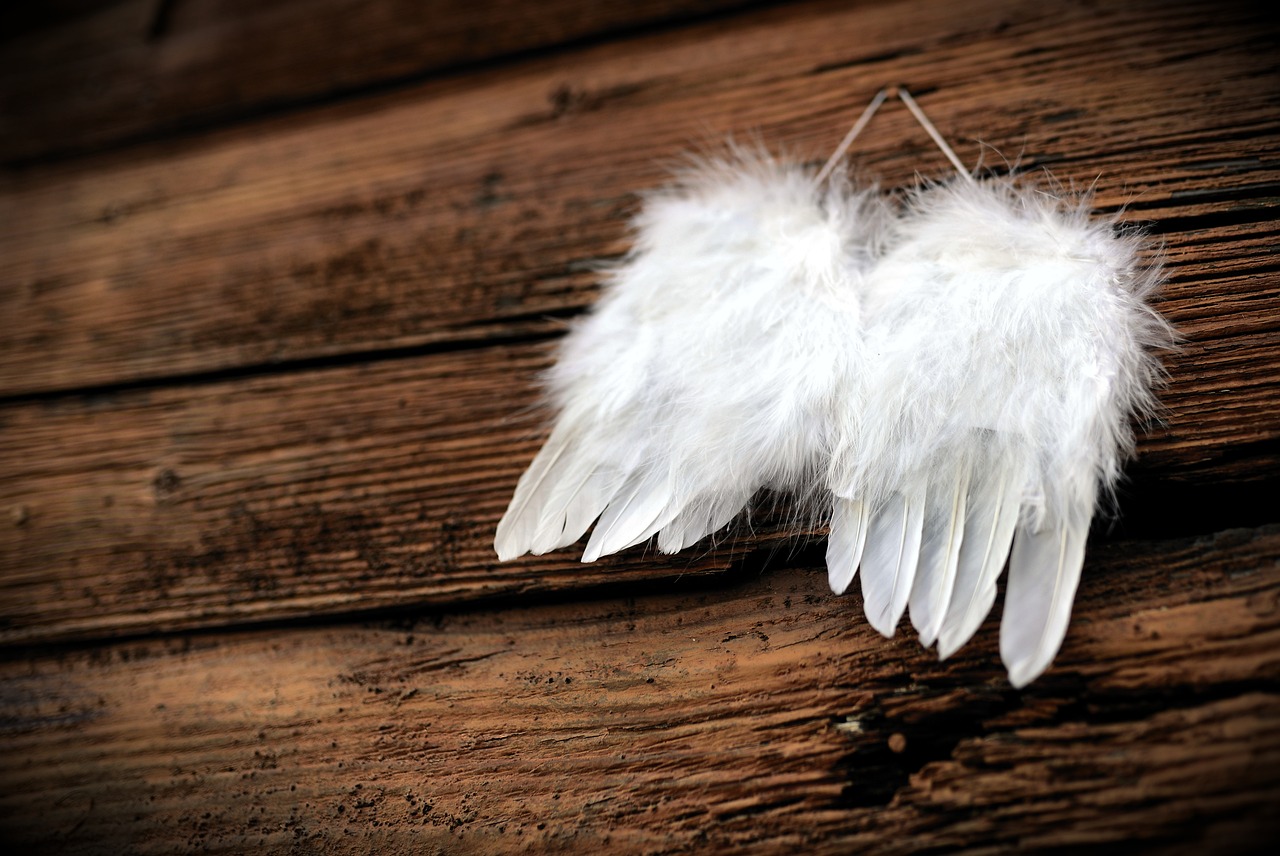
763 716
281 372
473 206
365 242
364 487
138 68
303 493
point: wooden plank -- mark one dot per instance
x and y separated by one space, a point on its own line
98 76
378 486
474 207
758 716
280 496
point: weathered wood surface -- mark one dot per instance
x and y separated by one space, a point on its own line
281 372
296 494
365 487
471 207
374 236
761 716
137 68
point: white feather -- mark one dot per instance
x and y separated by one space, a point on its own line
991 515
633 511
711 368
944 526
889 559
535 520
699 520
845 546
1044 571
581 507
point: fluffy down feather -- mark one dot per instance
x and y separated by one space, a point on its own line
1008 336
714 365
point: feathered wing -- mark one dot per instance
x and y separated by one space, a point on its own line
708 369
1012 345
987 391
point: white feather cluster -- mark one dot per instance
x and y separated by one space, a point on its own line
714 365
949 374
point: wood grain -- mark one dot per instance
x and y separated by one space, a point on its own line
379 485
138 68
473 207
296 494
267 378
758 716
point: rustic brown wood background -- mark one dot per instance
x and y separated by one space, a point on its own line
276 278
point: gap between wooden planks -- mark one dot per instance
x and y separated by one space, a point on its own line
473 207
764 716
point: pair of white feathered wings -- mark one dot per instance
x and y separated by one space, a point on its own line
957 376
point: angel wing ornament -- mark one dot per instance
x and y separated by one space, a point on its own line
712 366
957 378
1010 344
